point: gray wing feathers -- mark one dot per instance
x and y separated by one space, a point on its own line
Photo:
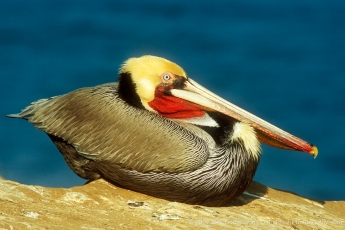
105 129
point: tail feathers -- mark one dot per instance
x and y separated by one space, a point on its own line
15 115
29 111
26 114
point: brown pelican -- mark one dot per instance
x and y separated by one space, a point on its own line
159 132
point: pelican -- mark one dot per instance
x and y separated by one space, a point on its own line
160 133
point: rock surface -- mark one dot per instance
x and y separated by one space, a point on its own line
100 205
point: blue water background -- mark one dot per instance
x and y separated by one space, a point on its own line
281 60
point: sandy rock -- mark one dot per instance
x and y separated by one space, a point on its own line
101 205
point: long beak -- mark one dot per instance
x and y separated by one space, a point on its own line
266 132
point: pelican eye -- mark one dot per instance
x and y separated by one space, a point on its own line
166 77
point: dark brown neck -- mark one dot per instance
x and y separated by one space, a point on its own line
127 91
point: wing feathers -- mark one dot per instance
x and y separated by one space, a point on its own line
104 128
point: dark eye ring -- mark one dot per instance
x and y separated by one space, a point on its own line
166 77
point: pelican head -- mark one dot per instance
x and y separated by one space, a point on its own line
163 87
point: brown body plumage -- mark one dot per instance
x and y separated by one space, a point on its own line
115 131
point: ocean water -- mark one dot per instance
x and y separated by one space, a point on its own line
281 60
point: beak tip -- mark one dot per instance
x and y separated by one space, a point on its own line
314 151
